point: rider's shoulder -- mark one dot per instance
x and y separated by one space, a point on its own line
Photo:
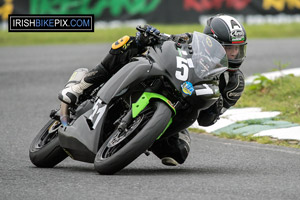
122 44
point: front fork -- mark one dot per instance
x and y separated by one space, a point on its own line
125 121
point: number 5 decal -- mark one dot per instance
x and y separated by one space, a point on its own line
182 71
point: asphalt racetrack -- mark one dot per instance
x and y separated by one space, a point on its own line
30 78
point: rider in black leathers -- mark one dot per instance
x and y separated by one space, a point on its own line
173 148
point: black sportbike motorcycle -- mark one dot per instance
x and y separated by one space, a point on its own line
151 97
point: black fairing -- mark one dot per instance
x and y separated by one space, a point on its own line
79 140
176 55
129 75
168 60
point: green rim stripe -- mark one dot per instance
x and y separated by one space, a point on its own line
170 122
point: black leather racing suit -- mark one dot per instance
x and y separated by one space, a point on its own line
176 140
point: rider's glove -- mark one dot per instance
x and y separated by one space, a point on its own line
182 38
211 115
146 35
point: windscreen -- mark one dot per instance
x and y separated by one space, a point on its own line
209 57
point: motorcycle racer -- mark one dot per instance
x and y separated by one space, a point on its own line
174 148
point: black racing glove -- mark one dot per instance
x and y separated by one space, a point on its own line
146 35
211 115
182 38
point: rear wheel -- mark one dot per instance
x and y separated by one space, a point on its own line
45 150
121 148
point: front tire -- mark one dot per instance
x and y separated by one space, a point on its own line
111 157
45 150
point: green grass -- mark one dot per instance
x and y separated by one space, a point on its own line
45 38
111 35
282 95
251 138
261 140
273 30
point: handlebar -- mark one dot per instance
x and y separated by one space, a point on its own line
143 30
160 36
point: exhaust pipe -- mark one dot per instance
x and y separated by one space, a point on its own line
64 114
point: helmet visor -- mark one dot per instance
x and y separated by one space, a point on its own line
236 53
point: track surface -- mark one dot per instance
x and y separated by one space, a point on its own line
30 78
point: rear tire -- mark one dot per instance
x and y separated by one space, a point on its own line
112 158
45 150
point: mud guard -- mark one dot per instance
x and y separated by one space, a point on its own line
144 101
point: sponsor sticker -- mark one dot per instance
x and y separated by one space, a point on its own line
208 42
187 88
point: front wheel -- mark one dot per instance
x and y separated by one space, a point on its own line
45 150
121 148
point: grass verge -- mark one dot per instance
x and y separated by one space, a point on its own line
282 94
251 138
111 35
261 140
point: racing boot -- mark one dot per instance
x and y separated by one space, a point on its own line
173 150
70 95
81 80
